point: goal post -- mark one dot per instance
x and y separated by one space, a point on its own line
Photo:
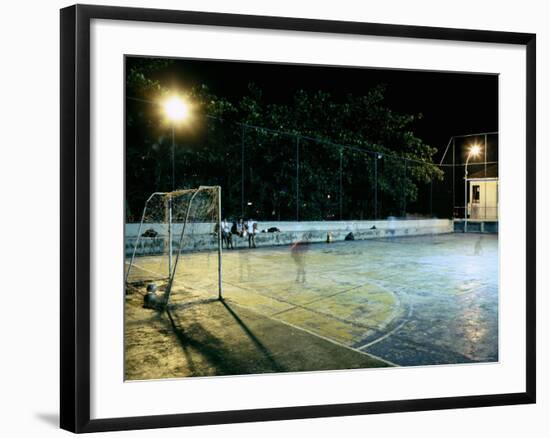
174 240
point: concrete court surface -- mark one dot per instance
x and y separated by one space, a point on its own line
409 301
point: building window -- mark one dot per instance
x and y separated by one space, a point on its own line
475 192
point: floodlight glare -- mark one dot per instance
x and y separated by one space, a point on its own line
475 150
176 109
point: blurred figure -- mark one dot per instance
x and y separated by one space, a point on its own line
478 248
227 237
252 228
298 253
244 266
241 231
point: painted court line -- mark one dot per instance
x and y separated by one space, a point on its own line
315 334
301 306
390 333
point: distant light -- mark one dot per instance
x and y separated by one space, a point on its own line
176 109
328 196
475 149
249 203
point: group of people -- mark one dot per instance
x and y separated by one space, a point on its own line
240 228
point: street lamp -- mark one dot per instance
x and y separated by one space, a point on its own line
176 110
475 149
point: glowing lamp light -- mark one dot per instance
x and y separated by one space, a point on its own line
176 109
475 150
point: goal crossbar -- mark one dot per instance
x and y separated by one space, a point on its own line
210 201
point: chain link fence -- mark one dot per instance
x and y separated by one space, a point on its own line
470 182
272 175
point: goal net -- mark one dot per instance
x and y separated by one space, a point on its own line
177 246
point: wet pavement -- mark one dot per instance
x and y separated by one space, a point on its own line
410 301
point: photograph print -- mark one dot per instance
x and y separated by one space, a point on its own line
290 217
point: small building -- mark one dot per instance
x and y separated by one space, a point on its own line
483 194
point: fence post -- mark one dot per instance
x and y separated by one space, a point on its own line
485 159
242 169
404 188
341 185
375 186
431 197
297 178
454 177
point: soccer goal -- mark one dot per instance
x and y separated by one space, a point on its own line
177 244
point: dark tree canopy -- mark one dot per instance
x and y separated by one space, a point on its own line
341 147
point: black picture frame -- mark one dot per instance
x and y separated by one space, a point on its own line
75 217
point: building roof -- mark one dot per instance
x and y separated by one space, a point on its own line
490 172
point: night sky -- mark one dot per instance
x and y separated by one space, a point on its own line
451 103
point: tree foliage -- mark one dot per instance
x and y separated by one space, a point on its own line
341 146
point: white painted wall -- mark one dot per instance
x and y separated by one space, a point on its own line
207 228
487 207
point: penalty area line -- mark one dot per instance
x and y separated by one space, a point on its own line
390 333
332 341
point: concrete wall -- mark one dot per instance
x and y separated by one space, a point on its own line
291 232
477 226
286 226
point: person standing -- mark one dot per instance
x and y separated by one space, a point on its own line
252 230
241 230
226 234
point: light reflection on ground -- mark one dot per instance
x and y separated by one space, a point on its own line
411 301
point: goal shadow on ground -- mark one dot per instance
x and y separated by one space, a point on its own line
215 337
194 338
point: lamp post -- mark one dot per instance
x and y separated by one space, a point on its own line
474 151
176 110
